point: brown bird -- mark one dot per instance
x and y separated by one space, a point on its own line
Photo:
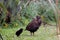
33 26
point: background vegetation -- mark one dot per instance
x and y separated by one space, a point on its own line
22 12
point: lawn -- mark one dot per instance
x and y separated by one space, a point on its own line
41 34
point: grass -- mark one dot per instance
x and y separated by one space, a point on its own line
41 34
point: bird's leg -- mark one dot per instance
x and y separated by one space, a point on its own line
33 33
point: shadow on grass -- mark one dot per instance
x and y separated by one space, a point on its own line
29 35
